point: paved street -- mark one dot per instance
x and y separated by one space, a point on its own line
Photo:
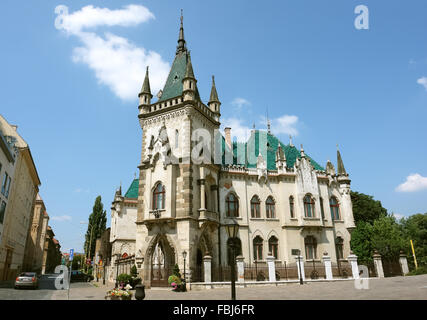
407 288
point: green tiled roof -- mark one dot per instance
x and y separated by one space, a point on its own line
173 86
133 190
291 153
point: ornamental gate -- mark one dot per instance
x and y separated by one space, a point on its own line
161 267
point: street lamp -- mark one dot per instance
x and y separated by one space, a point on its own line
184 255
232 231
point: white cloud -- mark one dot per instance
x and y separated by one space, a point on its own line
61 218
286 124
398 216
423 81
414 182
240 102
90 17
117 62
238 130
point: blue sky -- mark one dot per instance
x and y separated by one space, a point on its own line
71 91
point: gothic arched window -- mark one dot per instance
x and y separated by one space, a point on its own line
232 205
258 243
310 247
255 207
335 209
159 197
309 206
270 208
291 206
273 246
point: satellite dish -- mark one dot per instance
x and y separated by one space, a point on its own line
159 94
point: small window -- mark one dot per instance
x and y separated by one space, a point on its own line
335 209
310 248
322 211
291 206
257 248
4 184
159 197
232 205
273 246
309 206
270 208
176 139
2 211
255 207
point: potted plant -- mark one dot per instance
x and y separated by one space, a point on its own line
119 294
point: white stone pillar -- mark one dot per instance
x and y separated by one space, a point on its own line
207 266
378 265
403 263
240 261
352 258
271 268
300 264
328 266
202 194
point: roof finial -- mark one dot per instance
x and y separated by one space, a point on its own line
181 42
290 141
268 123
340 163
214 94
302 151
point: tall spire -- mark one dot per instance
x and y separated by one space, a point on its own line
214 94
181 41
146 85
340 164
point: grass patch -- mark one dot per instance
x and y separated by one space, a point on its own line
420 270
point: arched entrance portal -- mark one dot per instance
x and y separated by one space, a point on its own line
162 263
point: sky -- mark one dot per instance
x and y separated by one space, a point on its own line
71 75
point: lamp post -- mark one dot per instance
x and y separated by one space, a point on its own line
232 231
184 255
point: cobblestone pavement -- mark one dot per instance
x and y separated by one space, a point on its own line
406 288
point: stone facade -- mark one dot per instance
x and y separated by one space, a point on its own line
19 211
51 252
280 197
35 241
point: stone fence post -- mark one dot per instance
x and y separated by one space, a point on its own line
378 265
328 266
271 268
300 267
352 258
403 263
240 261
207 267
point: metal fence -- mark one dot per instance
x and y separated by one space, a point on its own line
314 270
258 271
286 271
341 269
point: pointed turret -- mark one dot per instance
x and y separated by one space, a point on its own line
340 164
189 81
302 152
145 94
214 103
181 41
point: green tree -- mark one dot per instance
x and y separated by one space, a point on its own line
97 225
415 228
387 237
76 259
365 208
361 243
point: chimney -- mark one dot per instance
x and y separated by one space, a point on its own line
227 132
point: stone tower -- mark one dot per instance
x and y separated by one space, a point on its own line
173 215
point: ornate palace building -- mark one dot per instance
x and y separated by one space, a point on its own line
281 198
